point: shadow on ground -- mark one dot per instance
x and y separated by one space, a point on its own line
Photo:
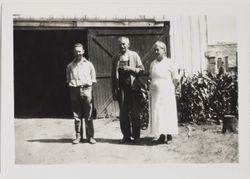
67 140
147 141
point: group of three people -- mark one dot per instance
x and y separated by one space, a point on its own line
126 69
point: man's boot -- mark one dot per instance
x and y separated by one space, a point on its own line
77 139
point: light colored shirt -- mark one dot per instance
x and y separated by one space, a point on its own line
124 57
80 73
135 65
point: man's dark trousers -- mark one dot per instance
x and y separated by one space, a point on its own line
128 103
81 102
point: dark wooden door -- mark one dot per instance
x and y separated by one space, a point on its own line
40 61
103 45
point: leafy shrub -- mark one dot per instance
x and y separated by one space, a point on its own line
144 110
207 97
143 103
225 98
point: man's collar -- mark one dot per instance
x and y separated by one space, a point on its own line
81 61
126 53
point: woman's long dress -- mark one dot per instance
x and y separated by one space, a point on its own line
163 101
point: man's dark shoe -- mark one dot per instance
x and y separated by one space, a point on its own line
92 140
137 140
125 140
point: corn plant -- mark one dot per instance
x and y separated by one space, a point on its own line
206 97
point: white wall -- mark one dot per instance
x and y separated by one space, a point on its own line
189 42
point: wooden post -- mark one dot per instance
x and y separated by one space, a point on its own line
229 124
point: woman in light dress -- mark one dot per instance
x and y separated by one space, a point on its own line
164 121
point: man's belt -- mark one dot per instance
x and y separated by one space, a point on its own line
85 86
82 86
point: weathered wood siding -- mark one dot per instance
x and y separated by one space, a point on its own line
103 45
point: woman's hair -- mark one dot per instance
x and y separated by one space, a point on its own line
161 44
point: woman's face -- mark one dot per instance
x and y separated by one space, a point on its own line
159 52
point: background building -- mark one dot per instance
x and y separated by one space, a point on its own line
43 46
222 55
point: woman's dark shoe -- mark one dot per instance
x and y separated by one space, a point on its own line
169 139
161 139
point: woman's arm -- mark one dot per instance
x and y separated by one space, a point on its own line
174 74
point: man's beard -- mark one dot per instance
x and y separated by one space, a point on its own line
123 50
79 57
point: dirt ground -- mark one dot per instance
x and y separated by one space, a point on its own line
48 141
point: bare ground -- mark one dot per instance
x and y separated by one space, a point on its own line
48 141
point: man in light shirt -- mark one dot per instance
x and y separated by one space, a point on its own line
80 78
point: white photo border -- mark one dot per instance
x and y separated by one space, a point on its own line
8 168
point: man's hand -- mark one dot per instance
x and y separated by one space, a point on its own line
115 95
127 68
175 81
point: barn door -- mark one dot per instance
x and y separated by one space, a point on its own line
103 46
40 60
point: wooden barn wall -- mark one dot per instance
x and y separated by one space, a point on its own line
186 41
103 45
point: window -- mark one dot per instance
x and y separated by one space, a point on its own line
226 63
212 63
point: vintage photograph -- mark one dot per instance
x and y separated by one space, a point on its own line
141 90
121 90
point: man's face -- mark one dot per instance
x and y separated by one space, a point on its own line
123 45
78 52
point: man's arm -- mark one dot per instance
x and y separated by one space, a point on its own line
174 74
92 73
138 69
67 74
114 85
